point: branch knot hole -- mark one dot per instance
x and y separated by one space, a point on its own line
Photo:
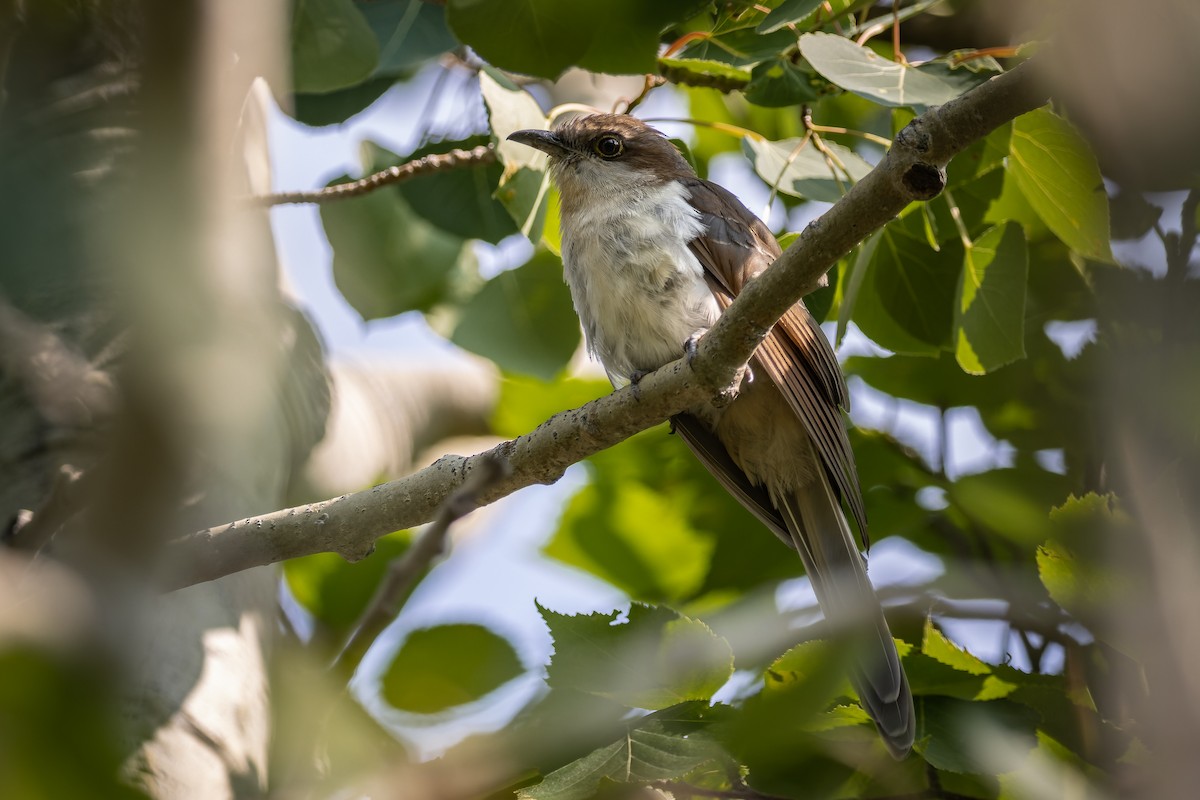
924 181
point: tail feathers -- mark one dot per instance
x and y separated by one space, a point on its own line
839 577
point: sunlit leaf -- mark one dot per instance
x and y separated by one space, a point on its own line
648 753
1058 174
935 645
525 185
860 70
448 665
652 659
806 171
989 319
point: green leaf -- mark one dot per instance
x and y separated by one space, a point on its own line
655 659
448 665
334 108
907 299
969 737
458 200
699 72
545 37
935 645
860 70
63 735
980 158
806 172
854 282
1133 216
336 591
648 753
635 539
655 524
387 259
1014 503
789 12
743 47
524 187
778 83
409 33
989 320
526 402
332 46
1058 174
522 319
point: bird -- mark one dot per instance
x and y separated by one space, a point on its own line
653 254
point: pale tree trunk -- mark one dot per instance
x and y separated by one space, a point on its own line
146 344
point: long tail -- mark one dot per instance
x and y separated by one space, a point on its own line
839 577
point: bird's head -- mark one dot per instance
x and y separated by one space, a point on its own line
606 155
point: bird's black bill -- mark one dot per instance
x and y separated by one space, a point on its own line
546 141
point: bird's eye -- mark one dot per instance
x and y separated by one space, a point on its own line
609 146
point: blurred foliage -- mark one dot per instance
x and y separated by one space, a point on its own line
963 296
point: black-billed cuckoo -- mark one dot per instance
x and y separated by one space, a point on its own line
653 255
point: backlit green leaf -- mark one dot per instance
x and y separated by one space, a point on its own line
989 319
648 753
1058 174
448 665
653 659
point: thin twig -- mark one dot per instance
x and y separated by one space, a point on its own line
651 82
437 162
404 572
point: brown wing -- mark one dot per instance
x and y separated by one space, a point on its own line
795 354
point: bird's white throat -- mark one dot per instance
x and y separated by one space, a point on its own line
637 288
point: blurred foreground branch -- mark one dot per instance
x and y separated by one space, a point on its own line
404 572
913 170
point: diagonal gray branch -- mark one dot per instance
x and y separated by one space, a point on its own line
913 170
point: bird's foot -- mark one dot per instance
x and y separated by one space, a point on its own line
691 345
635 380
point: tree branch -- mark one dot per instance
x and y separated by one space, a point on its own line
404 572
437 162
912 170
